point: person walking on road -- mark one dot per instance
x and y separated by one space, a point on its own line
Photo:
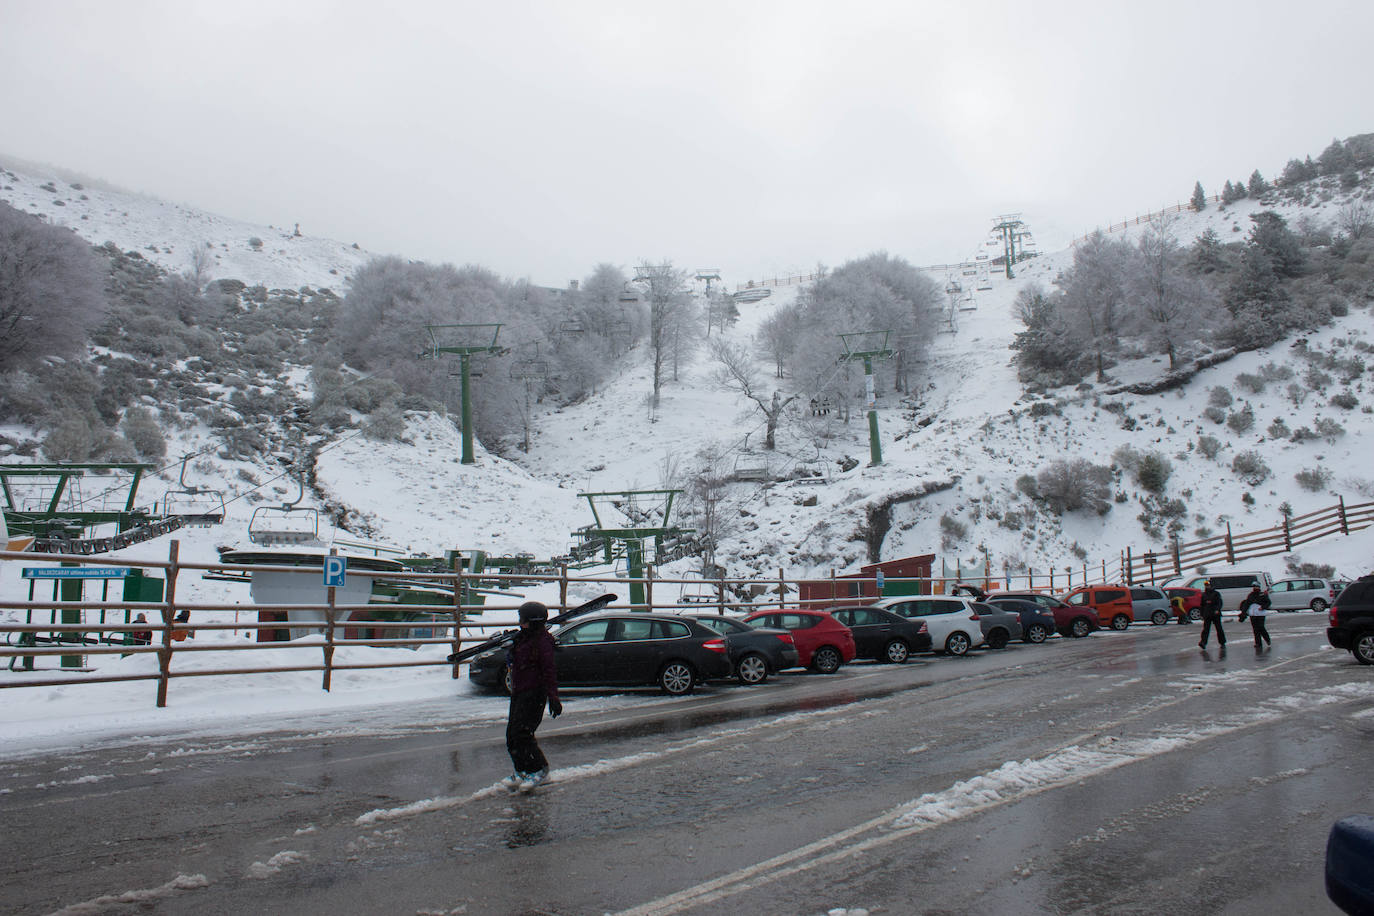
533 685
1211 615
1256 606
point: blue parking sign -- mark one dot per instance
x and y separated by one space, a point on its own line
335 568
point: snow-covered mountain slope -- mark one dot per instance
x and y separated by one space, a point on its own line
952 451
168 234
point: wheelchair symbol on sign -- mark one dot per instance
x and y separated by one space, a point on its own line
335 568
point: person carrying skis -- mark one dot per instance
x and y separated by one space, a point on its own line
533 684
1256 606
1211 615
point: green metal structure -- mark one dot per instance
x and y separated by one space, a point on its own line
647 514
868 346
465 340
45 502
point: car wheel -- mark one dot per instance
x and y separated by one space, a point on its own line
826 660
1318 605
506 682
1120 622
897 651
958 643
1195 614
676 678
1079 628
1037 633
998 639
753 669
1363 648
1159 618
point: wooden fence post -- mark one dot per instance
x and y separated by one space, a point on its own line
1178 562
649 587
164 654
1287 535
457 609
1345 527
1230 546
782 588
563 586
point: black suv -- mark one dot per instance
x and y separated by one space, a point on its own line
1352 620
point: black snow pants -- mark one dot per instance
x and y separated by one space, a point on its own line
1209 621
526 712
1261 632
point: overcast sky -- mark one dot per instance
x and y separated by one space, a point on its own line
541 138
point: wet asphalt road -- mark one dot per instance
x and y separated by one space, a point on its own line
1122 773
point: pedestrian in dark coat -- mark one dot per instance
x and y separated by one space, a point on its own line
533 685
1211 615
1256 606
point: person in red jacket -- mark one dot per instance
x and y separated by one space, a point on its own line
533 685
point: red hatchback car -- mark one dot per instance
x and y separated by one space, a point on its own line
1192 599
823 643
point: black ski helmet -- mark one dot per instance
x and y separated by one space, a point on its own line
533 612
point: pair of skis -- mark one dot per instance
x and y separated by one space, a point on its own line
507 637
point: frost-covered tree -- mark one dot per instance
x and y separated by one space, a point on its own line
1094 295
670 317
1257 185
52 290
1169 306
737 373
1199 198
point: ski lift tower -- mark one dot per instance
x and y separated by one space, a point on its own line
1010 227
868 346
646 515
466 340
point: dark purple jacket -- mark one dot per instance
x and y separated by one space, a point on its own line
531 664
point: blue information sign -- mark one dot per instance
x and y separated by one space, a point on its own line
76 572
335 569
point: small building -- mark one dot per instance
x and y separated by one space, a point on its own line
907 576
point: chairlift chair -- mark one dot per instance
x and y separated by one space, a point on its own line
287 524
197 507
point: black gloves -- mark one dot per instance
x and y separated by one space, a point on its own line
555 707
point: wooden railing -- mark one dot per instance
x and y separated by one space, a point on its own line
1140 220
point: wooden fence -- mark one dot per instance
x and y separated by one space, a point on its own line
1140 220
79 641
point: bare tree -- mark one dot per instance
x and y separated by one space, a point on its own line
201 263
1355 219
737 373
669 308
1094 295
1171 306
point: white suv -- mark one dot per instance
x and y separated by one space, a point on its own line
1301 594
951 622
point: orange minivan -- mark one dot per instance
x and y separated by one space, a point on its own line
1112 603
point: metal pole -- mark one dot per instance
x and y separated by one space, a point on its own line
329 631
465 360
164 654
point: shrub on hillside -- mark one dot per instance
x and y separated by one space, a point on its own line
1250 382
1313 480
1067 486
70 437
1278 429
1328 429
952 531
385 424
1345 400
1220 397
1241 420
1250 467
1215 414
143 433
1210 446
1152 472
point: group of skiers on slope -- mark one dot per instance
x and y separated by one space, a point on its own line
1254 606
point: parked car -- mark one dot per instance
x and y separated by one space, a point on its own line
628 649
1152 604
1192 599
951 622
1037 623
1233 586
1111 602
1350 864
1352 620
999 625
1069 620
754 652
1301 594
823 643
882 635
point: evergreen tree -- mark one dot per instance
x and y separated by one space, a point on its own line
1206 256
1258 186
1239 189
1270 234
1293 173
1334 159
1228 193
1199 198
